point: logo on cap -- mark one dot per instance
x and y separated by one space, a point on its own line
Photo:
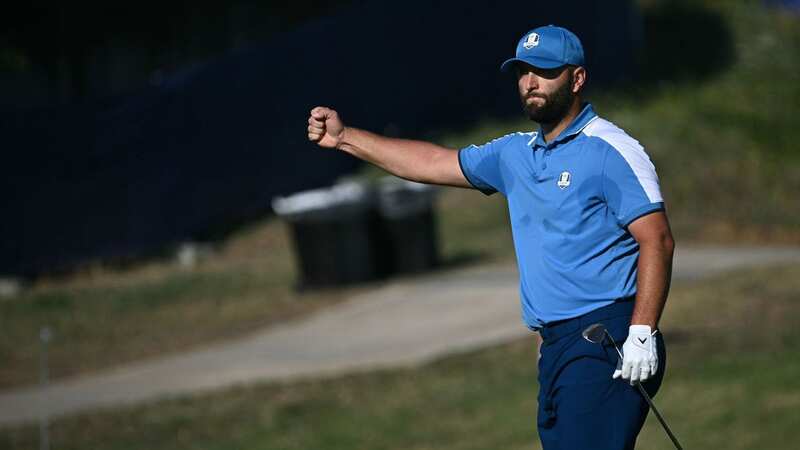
564 180
531 41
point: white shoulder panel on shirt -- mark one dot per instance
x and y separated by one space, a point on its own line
531 134
511 135
631 151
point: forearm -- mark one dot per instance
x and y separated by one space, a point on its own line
652 282
413 160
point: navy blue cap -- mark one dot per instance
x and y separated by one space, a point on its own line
547 47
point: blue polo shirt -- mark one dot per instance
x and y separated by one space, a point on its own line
570 202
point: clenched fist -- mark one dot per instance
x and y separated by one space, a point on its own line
324 127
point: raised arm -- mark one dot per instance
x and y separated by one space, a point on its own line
413 160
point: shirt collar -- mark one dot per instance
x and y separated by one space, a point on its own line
576 126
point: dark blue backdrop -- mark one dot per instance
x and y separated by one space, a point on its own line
210 147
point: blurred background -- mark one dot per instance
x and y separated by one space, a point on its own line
143 145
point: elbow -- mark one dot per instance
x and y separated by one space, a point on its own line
669 245
666 245
668 242
432 169
653 234
417 173
661 243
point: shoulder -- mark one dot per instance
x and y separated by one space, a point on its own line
515 138
509 140
612 135
616 141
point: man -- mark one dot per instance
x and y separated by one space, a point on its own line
590 232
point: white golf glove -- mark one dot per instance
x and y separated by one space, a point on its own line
640 360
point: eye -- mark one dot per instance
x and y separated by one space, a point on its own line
551 74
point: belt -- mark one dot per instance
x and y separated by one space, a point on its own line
555 330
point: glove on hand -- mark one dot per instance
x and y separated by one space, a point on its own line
640 360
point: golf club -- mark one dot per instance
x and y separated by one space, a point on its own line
596 334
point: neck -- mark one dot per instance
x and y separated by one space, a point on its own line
552 130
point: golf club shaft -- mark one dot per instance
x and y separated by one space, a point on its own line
658 415
648 399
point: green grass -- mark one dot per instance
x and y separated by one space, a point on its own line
731 383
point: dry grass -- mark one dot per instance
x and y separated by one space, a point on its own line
732 363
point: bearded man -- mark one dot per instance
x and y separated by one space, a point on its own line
590 231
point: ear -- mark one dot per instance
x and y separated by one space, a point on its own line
578 78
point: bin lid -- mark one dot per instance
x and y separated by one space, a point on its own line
348 194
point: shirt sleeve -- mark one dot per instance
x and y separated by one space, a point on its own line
481 165
630 182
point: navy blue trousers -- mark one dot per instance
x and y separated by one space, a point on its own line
580 405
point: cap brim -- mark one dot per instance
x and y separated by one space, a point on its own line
542 63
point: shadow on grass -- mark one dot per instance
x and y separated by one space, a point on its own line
681 42
684 41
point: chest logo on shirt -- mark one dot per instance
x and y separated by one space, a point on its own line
564 179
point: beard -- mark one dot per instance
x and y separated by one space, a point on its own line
556 105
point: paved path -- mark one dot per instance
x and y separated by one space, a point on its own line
403 323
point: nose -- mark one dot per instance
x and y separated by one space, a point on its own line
529 82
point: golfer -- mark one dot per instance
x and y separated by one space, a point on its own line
590 232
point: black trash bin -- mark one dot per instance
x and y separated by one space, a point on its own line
330 229
407 228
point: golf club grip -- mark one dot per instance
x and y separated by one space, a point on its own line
658 416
